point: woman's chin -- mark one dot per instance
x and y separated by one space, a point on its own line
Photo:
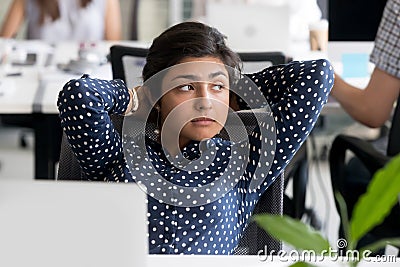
200 136
198 133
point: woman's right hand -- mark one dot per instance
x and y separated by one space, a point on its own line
142 103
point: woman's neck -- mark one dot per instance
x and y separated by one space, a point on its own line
173 144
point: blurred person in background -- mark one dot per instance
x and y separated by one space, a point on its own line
61 20
373 105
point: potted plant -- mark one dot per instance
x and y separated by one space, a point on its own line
370 210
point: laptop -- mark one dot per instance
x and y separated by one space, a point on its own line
72 224
251 27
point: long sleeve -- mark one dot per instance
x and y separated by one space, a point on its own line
85 106
296 93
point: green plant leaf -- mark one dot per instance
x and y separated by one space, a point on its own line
302 264
299 235
343 214
376 203
374 247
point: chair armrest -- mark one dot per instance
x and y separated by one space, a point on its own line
363 150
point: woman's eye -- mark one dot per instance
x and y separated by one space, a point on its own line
217 87
186 87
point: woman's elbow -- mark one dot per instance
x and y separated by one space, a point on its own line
375 121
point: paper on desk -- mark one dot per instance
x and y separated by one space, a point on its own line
7 87
355 65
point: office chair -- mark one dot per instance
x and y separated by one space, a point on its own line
371 160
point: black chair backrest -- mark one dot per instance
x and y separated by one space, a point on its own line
68 166
393 147
275 58
117 54
254 238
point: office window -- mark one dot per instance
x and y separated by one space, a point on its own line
187 9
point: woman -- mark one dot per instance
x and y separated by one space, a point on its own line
296 93
64 20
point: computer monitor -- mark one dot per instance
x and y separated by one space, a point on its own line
354 20
353 25
251 27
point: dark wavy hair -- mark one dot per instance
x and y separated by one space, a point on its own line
188 39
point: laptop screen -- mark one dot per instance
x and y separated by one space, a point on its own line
251 27
47 224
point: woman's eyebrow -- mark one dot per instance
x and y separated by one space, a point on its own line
187 76
218 73
197 78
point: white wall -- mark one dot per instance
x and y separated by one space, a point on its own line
153 18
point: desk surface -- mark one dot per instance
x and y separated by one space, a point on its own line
253 261
34 89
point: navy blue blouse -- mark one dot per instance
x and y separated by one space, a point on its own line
296 93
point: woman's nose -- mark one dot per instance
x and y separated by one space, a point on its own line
203 100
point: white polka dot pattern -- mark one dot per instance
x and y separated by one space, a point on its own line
296 93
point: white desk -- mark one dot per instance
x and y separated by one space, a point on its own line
18 92
247 261
36 89
33 94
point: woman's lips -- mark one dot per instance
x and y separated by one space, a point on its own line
202 121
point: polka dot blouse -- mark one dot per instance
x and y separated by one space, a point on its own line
296 93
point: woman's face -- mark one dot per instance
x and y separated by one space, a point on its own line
195 103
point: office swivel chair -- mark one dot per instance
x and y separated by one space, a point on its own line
372 160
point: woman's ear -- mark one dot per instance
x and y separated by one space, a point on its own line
148 95
233 102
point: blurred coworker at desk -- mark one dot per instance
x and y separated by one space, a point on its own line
63 20
373 105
